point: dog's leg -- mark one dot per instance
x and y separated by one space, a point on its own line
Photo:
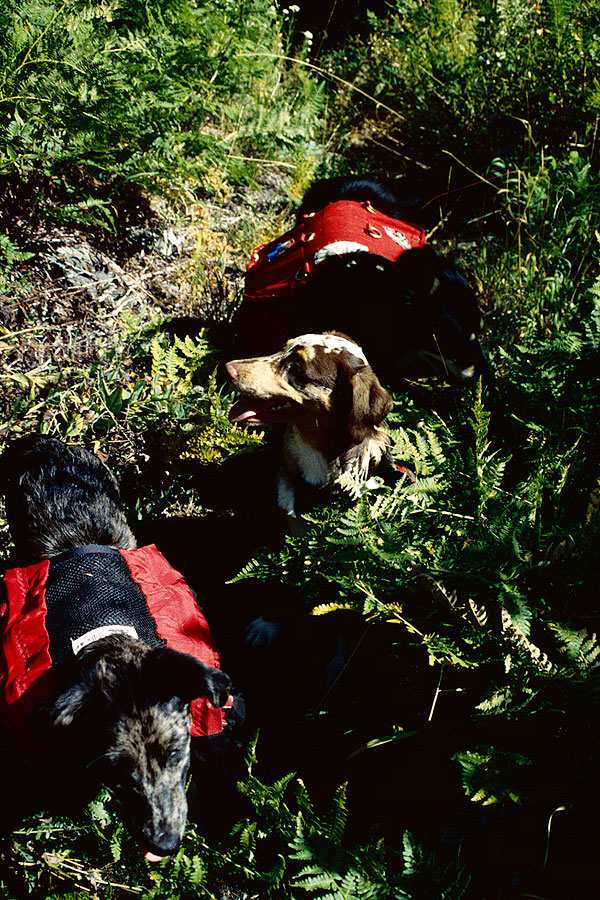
286 501
262 632
286 495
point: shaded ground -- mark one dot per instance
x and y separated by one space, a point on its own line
68 298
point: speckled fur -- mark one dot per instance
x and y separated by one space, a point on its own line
120 710
59 497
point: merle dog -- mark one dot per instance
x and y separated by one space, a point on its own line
112 698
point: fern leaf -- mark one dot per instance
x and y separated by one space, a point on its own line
325 608
479 613
581 647
334 822
516 636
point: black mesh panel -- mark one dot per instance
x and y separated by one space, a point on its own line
86 590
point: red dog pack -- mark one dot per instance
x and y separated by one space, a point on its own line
278 270
135 591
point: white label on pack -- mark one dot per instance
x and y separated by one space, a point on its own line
97 633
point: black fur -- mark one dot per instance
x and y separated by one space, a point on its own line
120 709
59 497
381 193
412 315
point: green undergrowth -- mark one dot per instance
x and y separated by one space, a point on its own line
287 848
151 391
464 79
177 96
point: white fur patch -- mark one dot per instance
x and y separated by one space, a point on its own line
330 343
97 633
339 248
373 453
312 464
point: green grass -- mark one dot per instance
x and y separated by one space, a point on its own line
170 95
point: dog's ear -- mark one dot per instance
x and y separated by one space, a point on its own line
64 707
96 680
175 674
371 403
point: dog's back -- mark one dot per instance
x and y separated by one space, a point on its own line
411 309
379 192
58 498
401 312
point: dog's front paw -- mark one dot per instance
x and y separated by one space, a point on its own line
263 632
218 687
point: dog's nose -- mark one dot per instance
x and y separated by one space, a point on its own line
232 370
159 846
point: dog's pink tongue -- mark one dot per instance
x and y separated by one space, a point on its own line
152 857
244 410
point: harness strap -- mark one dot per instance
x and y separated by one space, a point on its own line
276 269
83 550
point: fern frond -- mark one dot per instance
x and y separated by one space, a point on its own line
334 821
581 647
518 639
479 613
412 854
494 704
323 608
493 776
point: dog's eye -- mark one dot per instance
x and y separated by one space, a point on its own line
174 756
294 370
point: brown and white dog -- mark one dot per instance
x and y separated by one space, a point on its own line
322 387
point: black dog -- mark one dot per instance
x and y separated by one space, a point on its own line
380 193
408 307
90 661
